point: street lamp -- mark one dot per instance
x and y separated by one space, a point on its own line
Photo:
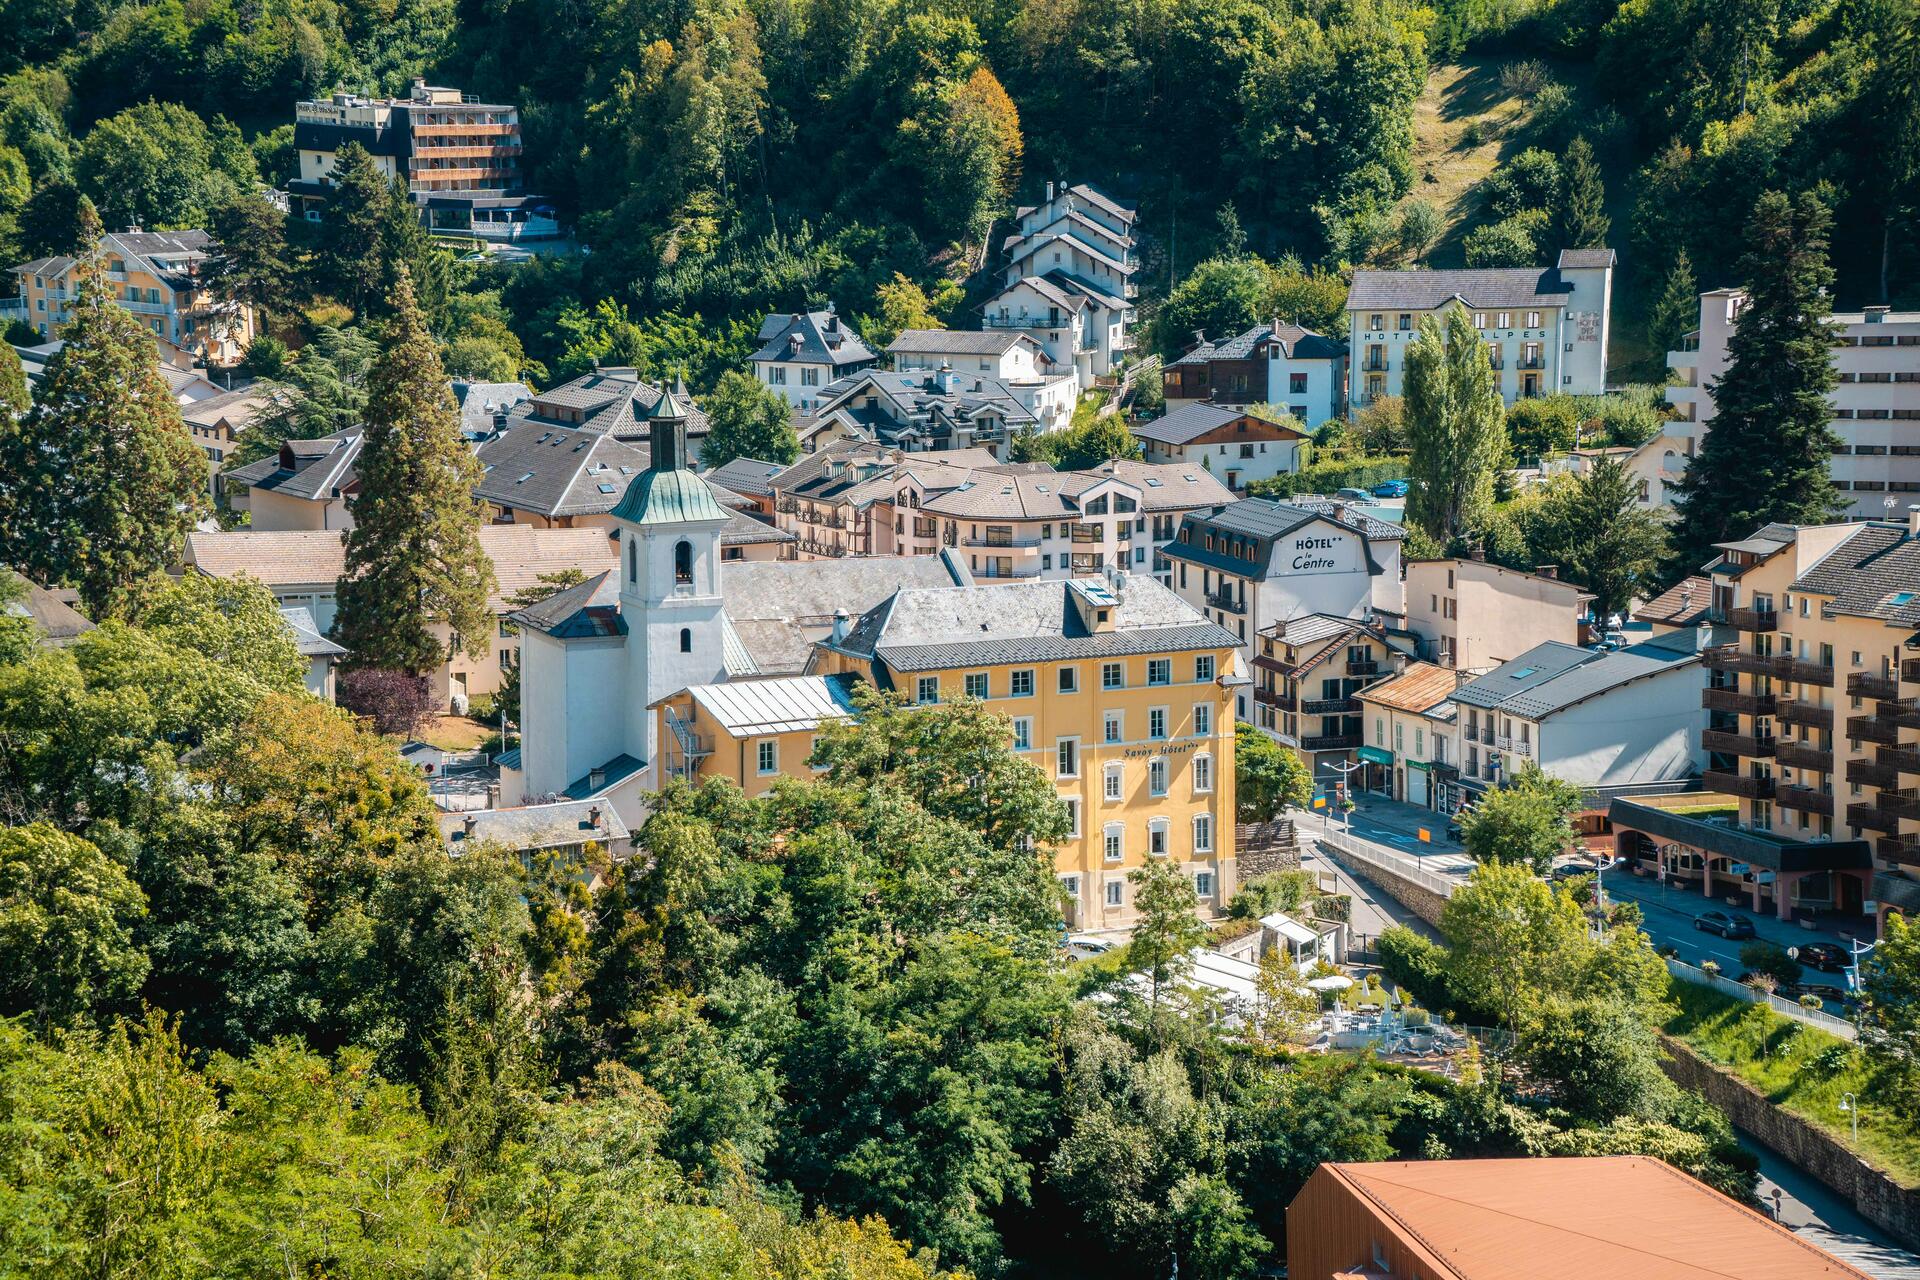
1345 771
1849 1106
1600 864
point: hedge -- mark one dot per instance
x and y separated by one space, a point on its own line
1361 472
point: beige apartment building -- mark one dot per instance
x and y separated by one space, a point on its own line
1474 615
1812 726
1308 674
1413 716
1878 396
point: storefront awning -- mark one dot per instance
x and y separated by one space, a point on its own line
1376 755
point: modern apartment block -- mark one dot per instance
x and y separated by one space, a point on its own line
1875 406
1546 330
460 158
1069 279
1474 615
155 275
1813 730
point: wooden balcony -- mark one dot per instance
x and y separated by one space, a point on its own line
1803 755
1898 848
1330 742
1737 744
1872 773
1268 698
1810 714
1910 671
1905 759
1746 704
1753 619
1331 707
1799 671
1806 799
1363 667
1872 817
1738 784
1727 657
1901 803
1902 713
1868 684
1873 729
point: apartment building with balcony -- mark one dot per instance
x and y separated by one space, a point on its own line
1257 563
1472 614
1876 406
1308 674
803 353
1069 270
919 411
461 159
1293 369
1115 688
1624 718
156 277
1013 358
1546 331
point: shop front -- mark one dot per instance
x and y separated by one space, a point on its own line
1376 776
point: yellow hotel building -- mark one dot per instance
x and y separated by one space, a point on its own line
1116 688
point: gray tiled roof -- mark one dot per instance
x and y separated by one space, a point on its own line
1254 523
1507 287
1191 421
480 401
1093 195
306 636
921 630
1240 346
747 475
613 401
557 470
743 529
990 494
589 608
1061 296
822 338
959 342
1086 289
538 826
1875 573
317 470
1554 676
1575 259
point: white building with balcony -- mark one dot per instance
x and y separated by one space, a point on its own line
1875 406
804 353
1546 331
1068 278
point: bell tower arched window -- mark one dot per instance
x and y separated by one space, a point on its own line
683 563
686 640
633 561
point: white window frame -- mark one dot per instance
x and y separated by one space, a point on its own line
1157 776
1159 837
1073 815
1203 833
766 757
1068 679
1113 842
979 678
1203 719
1203 772
1070 885
1023 733
1157 734
1062 748
1014 681
1113 787
1113 726
920 687
1203 885
1163 667
1116 892
1203 669
1118 672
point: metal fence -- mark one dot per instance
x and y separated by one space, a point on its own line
1820 1018
1408 869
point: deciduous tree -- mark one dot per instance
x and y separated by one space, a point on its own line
67 918
747 420
1456 425
1267 777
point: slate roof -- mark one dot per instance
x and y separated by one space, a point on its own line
779 608
812 337
1305 344
959 342
480 402
237 408
1093 195
1553 676
747 475
1061 296
1576 259
744 529
614 401
306 636
1028 248
141 248
1252 525
927 630
989 494
534 826
1684 603
1239 347
1191 421
316 470
588 609
1875 573
1420 687
1504 287
557 470
920 396
1087 289
782 704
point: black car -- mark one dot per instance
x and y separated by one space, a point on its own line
1724 923
1824 956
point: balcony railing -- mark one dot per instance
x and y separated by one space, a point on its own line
1753 619
1727 657
994 540
826 549
1362 667
786 506
1807 799
1809 714
1898 848
1746 704
1269 698
1803 755
1530 363
1221 600
1330 742
1873 729
1872 773
1005 574
1901 803
1904 759
1737 784
1801 671
1870 684
1737 744
1331 706
1910 670
1873 818
1901 712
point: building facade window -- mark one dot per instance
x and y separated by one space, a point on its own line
1157 723
1113 727
683 563
1203 668
1114 841
1203 833
1023 733
1067 758
927 689
1020 684
686 640
1116 893
1069 679
1160 671
1115 781
1203 719
1203 884
1073 816
1157 776
767 757
1113 675
1203 772
1157 837
977 684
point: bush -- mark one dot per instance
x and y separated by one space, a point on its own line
1359 471
1282 891
1417 965
397 702
1511 242
1771 959
1543 425
1525 79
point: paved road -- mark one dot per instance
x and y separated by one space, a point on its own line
1811 1210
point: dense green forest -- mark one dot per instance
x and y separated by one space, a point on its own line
727 157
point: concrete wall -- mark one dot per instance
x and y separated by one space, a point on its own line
1646 731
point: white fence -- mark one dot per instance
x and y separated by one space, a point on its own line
1408 869
1785 1008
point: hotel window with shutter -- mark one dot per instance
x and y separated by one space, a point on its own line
1203 773
1115 782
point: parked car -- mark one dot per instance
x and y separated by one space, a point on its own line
1824 956
1825 990
1390 489
1354 495
1724 923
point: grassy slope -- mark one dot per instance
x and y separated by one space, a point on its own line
1728 1032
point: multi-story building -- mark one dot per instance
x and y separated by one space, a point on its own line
217 423
155 275
1411 717
1308 673
804 353
1070 263
750 732
1878 398
1229 442
302 485
919 412
460 158
1599 719
1472 614
1014 359
1546 330
1812 728
1006 520
1283 365
613 401
1256 562
1115 688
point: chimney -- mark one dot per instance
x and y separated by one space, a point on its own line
596 779
1049 192
1913 519
833 321
493 795
1199 337
467 826
1476 552
593 817
1877 315
1547 570
839 626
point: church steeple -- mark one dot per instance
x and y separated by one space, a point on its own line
667 428
667 492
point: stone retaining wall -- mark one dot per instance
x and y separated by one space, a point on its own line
1879 1199
1406 891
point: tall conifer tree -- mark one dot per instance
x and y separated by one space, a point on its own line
351 263
1456 425
1677 310
413 556
1766 453
1583 199
100 482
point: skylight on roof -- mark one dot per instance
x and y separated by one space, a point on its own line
1524 672
1899 598
523 479
1154 482
608 488
1189 476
